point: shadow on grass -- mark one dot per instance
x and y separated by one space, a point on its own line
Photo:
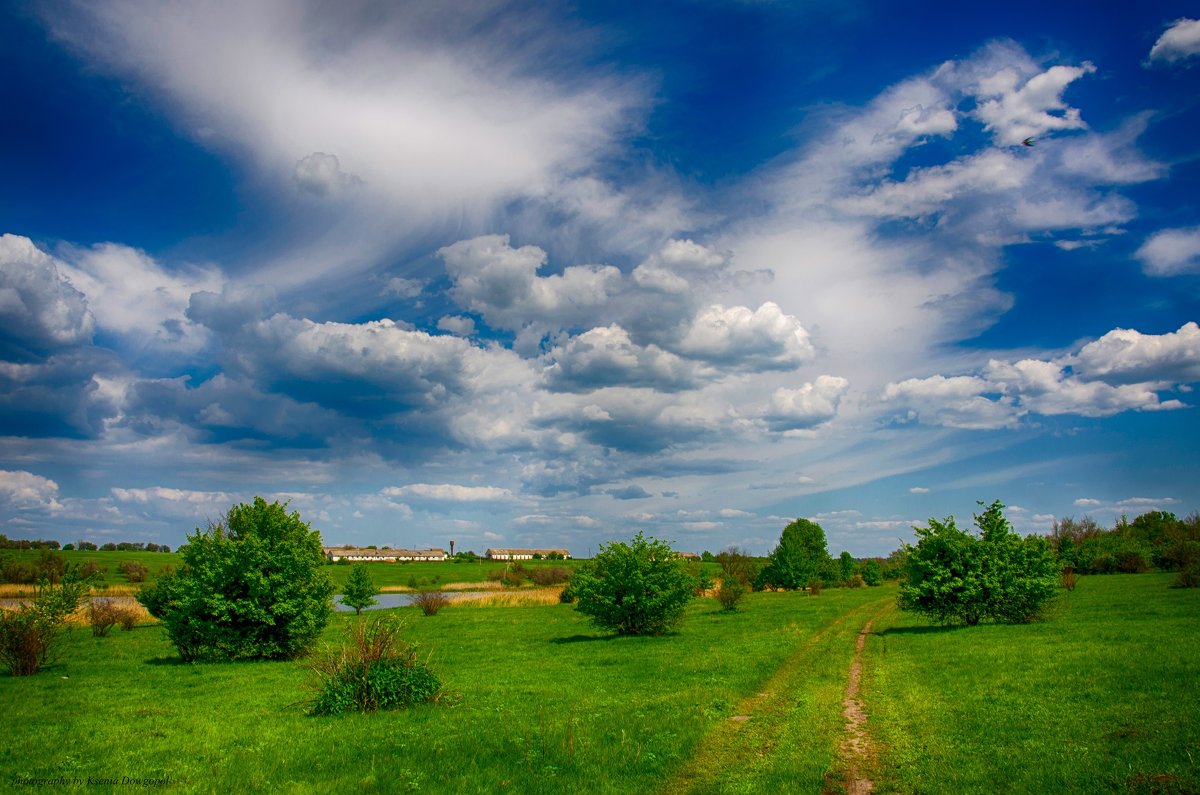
927 629
583 638
175 660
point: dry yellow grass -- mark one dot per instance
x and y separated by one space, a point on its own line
11 591
450 586
80 617
538 596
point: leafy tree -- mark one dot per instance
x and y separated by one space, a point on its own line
252 587
872 573
952 575
800 557
738 572
359 589
638 588
846 566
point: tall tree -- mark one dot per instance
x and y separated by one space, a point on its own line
799 557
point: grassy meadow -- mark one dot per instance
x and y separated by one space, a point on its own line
1100 698
1103 697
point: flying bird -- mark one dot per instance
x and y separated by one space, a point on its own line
1027 142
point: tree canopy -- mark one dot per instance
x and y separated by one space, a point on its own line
635 588
252 586
800 556
952 575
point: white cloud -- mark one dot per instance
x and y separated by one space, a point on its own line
442 111
955 402
1178 42
918 490
1125 355
1171 252
607 356
806 407
449 492
739 338
321 175
38 305
134 296
1015 107
1141 366
25 490
926 191
502 284
457 324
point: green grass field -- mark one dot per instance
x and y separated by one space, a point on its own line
1101 698
1104 697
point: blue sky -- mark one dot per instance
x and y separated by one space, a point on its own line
549 274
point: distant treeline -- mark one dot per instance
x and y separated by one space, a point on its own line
86 546
1155 540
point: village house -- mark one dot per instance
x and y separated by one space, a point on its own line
526 554
334 554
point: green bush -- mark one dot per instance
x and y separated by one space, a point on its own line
252 587
639 588
730 593
951 575
373 669
872 573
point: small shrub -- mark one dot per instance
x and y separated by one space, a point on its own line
103 615
554 575
730 593
127 619
29 633
815 586
856 581
373 669
1188 576
92 569
1069 578
566 596
431 602
133 570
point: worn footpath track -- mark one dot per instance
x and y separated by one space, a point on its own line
798 703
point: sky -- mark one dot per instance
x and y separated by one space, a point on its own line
550 274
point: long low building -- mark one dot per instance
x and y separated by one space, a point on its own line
335 554
526 554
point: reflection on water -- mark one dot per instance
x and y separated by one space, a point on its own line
385 601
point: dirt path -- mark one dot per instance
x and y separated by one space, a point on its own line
742 745
857 748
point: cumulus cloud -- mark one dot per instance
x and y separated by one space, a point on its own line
607 356
1122 371
1126 356
321 175
1177 43
806 407
743 339
502 284
1171 252
39 308
135 297
25 490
